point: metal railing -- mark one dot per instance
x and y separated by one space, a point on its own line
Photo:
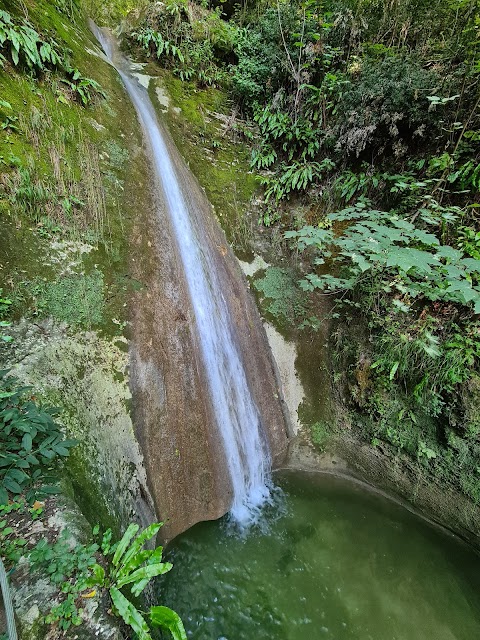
7 601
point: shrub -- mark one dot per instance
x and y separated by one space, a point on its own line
386 107
31 443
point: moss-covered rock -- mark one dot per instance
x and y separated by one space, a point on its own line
204 129
86 376
34 594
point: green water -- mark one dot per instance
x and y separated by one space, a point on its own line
339 564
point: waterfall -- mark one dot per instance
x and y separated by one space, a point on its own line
238 420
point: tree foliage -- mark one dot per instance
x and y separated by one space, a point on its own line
403 259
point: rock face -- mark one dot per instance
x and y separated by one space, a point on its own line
34 595
86 375
171 410
173 415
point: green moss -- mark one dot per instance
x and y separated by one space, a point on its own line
197 121
282 297
94 154
68 153
77 300
88 492
24 255
37 631
320 433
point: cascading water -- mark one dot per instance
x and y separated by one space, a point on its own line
246 448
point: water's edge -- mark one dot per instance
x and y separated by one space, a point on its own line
348 458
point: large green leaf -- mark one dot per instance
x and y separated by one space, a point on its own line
124 542
149 571
168 619
27 442
471 264
130 614
408 258
11 485
131 559
464 289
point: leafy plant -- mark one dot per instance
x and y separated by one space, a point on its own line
77 570
84 88
30 443
298 139
11 546
27 47
30 195
469 241
188 48
9 121
135 566
63 560
67 564
405 258
425 451
65 614
5 307
295 177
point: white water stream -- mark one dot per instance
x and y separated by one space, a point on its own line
237 417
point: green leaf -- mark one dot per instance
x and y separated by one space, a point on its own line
407 258
130 614
50 490
425 238
11 485
131 559
168 619
27 442
364 264
464 288
61 451
471 264
47 453
97 577
393 370
18 475
124 542
15 58
149 571
404 308
449 253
